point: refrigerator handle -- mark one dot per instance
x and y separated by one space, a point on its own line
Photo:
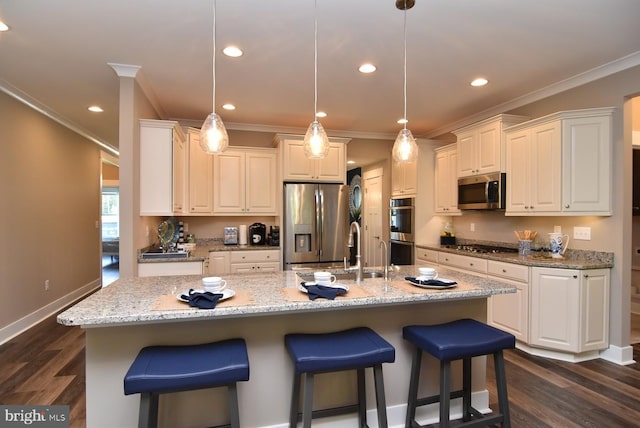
320 219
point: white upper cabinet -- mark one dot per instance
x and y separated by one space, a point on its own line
245 181
162 168
560 164
404 179
199 176
446 180
297 167
481 145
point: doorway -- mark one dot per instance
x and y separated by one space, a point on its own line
372 217
110 220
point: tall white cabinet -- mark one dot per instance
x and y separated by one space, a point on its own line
446 180
162 168
560 164
297 167
200 176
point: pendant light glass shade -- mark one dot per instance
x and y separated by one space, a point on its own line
405 148
316 142
213 135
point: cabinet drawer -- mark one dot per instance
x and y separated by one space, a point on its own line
508 270
464 262
256 256
424 255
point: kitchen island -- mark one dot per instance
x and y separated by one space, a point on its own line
137 312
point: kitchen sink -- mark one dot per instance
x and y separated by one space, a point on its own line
158 254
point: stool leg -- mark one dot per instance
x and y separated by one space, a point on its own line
466 389
445 393
148 415
381 402
234 413
414 381
362 400
295 401
501 383
307 409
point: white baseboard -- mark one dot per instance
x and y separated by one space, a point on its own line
618 355
15 328
559 355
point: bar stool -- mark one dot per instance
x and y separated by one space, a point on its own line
356 348
162 369
461 339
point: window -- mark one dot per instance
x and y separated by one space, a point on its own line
110 213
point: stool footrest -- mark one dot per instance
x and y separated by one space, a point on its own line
333 411
436 398
480 421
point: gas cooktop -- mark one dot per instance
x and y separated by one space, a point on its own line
485 249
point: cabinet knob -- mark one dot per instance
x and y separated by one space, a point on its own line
526 207
504 271
470 264
575 276
586 275
446 259
566 206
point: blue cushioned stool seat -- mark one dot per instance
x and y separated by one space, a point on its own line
458 340
356 348
162 369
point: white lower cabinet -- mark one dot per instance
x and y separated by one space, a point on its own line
470 264
219 263
170 268
569 309
510 312
426 257
254 261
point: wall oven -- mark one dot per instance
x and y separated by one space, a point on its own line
402 229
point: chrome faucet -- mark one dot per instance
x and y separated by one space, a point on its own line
358 267
385 258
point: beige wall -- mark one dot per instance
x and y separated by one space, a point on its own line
50 188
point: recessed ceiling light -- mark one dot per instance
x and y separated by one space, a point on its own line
480 81
351 162
367 68
95 109
3 26
402 121
232 51
321 114
228 107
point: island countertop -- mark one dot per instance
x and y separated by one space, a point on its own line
134 300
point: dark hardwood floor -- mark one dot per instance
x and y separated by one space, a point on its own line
45 365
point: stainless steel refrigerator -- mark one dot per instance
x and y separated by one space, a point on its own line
315 225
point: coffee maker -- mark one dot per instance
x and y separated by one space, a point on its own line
258 234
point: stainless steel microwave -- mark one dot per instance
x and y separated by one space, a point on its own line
482 192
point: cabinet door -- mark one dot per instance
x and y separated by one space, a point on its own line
333 167
169 268
200 177
218 263
179 173
397 179
510 312
488 150
555 304
545 171
594 302
426 257
518 175
446 182
466 155
296 165
586 165
261 187
229 182
156 167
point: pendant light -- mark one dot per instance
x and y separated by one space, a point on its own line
405 149
316 142
213 135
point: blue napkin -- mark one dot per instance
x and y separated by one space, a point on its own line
314 291
206 300
435 282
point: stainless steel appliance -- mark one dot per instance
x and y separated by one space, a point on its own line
482 192
402 229
315 225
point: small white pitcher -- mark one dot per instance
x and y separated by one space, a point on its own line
559 243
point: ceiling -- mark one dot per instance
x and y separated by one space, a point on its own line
56 57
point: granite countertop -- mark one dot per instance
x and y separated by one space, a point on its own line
203 249
573 259
129 301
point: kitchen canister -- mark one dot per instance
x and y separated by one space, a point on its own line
242 234
524 247
558 243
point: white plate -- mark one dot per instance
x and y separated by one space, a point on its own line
334 285
435 287
226 294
